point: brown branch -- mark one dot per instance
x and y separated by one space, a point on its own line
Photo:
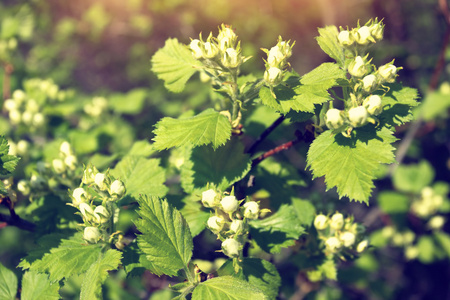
275 150
13 219
7 80
265 133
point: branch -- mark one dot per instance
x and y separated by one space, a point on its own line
265 133
6 80
13 219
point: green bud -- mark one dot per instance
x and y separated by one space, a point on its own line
79 196
210 50
321 222
337 221
231 58
229 204
237 226
357 67
388 72
362 246
377 30
86 211
251 210
215 223
358 116
334 118
117 188
369 83
101 214
59 166
100 181
373 105
231 247
346 38
209 198
273 76
92 235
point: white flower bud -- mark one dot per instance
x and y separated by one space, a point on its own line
377 30
10 104
88 175
209 198
388 232
347 238
337 221
388 72
87 211
38 119
273 76
369 83
59 166
23 186
65 149
321 222
227 33
196 49
362 246
101 214
358 116
231 247
211 50
373 105
229 204
357 67
100 181
334 119
27 117
71 161
79 196
346 38
32 106
215 223
22 147
364 36
237 226
231 58
412 252
251 210
117 188
333 244
92 235
276 58
436 222
15 116
19 96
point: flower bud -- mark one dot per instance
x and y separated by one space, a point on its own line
87 211
19 96
229 204
100 181
357 67
22 147
209 198
117 188
59 166
196 49
89 175
358 116
237 226
27 117
369 83
275 58
23 186
215 223
15 116
333 244
10 104
337 221
38 119
412 252
273 76
436 222
101 214
364 36
210 50
32 106
251 210
334 119
321 222
377 30
346 38
347 238
362 246
231 247
388 72
65 149
71 162
79 196
231 58
373 105
91 235
227 36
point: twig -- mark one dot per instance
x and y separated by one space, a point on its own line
265 133
6 80
273 151
13 219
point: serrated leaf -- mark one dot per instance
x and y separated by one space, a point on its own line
303 94
165 240
305 210
71 257
192 210
8 162
277 231
221 167
227 287
414 177
8 283
350 163
208 127
258 272
140 175
397 104
37 286
97 274
328 42
174 64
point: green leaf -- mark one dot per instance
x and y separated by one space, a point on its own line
435 104
305 210
277 231
304 94
8 162
192 210
208 127
391 202
165 240
258 272
426 249
71 257
37 286
397 104
130 103
97 274
227 287
142 148
221 167
140 176
8 283
174 64
414 177
350 163
329 43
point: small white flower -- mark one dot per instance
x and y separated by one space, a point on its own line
362 246
357 67
71 161
358 116
229 204
196 49
333 244
38 119
19 96
321 222
209 198
275 58
412 252
364 36
215 223
10 104
100 181
388 72
87 211
15 116
23 186
79 196
337 221
37 182
58 165
273 76
27 117
345 38
251 210
436 222
347 238
231 58
91 235
369 82
334 119
117 188
373 105
231 247
22 147
101 214
211 50
65 149
237 226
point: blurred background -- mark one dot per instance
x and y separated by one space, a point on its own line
104 47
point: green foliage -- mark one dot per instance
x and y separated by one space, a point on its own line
227 287
349 163
174 64
328 42
37 286
8 283
398 103
165 240
413 178
7 162
208 127
392 203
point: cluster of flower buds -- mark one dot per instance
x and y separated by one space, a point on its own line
20 148
219 53
230 219
95 187
24 110
403 239
276 62
96 107
67 161
6 47
46 88
358 39
340 234
428 204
